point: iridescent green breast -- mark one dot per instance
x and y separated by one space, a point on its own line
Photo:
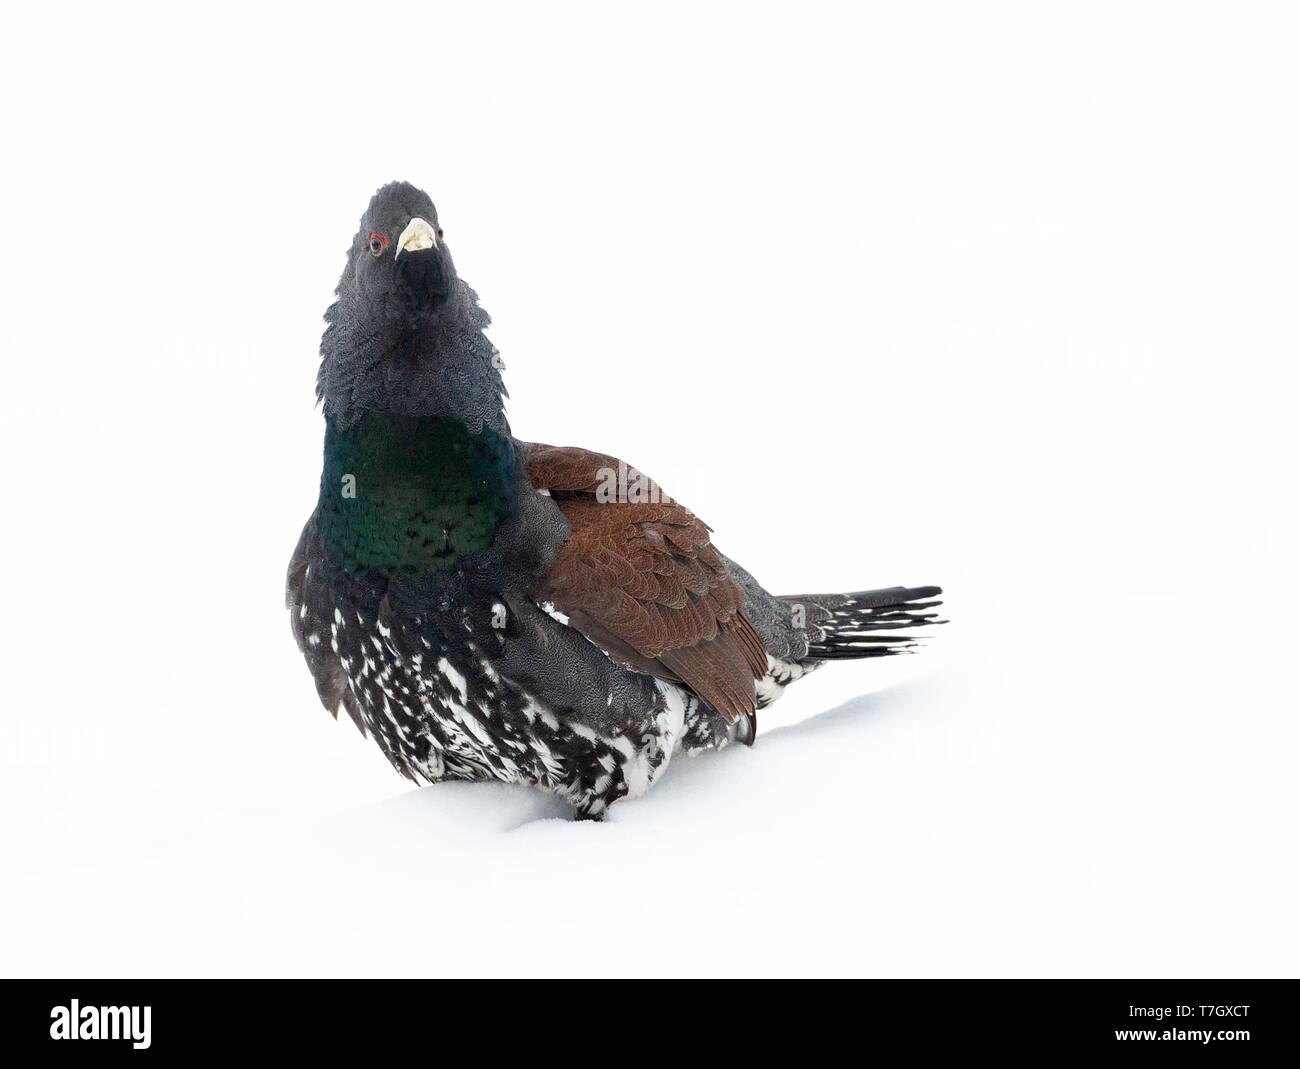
400 492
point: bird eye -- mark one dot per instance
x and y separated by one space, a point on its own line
378 243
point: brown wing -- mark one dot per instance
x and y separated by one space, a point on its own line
641 579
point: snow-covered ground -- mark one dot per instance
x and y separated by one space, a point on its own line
998 299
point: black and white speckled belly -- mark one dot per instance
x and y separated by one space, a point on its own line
427 688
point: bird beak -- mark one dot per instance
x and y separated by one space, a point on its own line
417 235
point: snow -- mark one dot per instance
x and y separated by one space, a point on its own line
1001 300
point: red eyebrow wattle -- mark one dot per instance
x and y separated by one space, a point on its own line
376 234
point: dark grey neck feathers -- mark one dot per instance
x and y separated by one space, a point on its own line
446 367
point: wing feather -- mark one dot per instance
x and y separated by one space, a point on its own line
644 582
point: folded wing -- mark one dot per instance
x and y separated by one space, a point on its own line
640 578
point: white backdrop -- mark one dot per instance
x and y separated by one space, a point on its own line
1000 297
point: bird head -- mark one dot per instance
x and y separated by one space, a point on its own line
405 333
399 268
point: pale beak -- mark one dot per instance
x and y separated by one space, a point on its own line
417 235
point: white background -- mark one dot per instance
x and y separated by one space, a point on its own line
1001 297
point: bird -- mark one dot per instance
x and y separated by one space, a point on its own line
490 609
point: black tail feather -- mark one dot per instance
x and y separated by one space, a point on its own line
845 630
